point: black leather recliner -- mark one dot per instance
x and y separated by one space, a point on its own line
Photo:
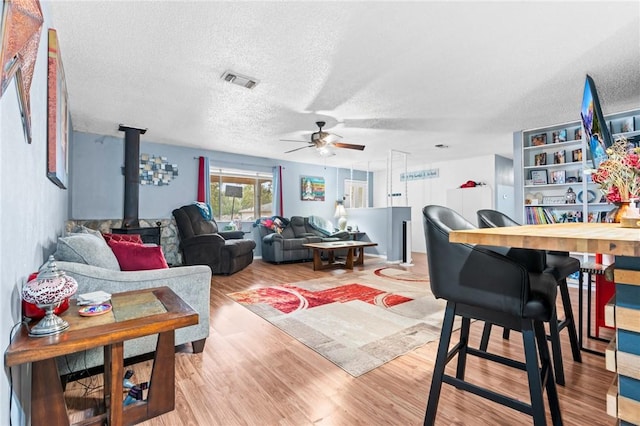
560 265
202 244
490 284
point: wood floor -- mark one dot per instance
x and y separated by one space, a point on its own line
251 373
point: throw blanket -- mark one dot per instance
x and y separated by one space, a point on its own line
205 209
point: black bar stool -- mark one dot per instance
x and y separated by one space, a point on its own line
560 265
590 269
499 285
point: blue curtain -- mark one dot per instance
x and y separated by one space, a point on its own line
278 208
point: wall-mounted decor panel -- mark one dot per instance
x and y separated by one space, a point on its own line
156 170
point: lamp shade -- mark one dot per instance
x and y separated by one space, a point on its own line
341 214
50 286
47 291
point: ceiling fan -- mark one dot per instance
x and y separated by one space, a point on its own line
324 142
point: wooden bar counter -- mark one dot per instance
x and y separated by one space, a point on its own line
607 238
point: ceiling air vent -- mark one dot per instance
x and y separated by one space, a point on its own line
239 79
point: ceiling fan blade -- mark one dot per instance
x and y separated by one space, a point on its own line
348 145
291 140
298 149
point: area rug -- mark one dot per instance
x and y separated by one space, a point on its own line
357 321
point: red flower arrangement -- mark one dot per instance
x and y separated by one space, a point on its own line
619 175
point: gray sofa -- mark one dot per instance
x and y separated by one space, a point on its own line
89 260
284 243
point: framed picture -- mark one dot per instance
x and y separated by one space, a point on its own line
558 176
539 177
559 136
558 157
539 139
572 176
626 125
58 116
576 155
20 37
541 159
577 134
312 188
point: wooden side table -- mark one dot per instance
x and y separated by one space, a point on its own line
356 235
135 314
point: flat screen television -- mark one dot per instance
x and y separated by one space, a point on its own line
594 126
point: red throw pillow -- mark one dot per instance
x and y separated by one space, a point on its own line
131 238
137 257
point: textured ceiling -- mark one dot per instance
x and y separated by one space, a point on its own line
389 75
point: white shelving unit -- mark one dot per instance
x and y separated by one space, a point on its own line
552 160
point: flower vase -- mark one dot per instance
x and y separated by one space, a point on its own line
620 210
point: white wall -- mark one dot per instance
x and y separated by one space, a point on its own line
421 193
32 214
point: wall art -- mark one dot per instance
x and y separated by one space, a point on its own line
312 188
156 170
21 24
58 116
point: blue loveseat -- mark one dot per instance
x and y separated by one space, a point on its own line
282 239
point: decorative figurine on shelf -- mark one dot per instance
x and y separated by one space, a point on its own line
570 196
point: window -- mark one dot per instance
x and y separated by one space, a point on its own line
241 194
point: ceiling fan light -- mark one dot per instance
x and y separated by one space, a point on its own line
325 151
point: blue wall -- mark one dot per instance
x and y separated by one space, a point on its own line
382 225
97 183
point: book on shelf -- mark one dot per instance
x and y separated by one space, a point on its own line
542 216
595 217
538 216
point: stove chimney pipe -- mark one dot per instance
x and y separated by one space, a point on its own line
131 175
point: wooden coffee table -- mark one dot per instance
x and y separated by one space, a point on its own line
135 314
331 247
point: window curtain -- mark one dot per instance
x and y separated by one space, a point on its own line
277 191
204 181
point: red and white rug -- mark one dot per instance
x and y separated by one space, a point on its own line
357 321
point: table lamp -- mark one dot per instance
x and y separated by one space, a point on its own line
47 291
341 214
